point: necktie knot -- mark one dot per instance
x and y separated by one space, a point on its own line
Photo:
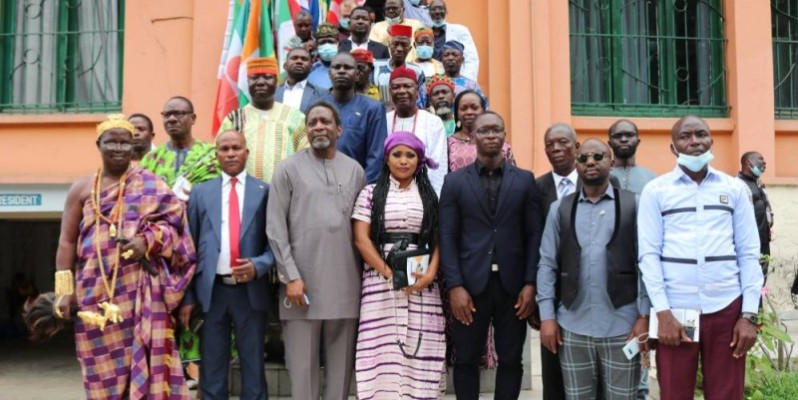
233 180
565 187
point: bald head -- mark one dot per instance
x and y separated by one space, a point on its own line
561 145
593 164
691 120
563 128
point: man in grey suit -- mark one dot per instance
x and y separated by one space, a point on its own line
227 216
297 92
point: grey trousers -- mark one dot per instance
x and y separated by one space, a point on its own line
303 339
585 360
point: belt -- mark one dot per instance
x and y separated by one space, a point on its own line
494 268
228 280
391 238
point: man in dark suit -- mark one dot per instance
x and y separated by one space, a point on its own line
490 235
297 92
360 28
561 144
227 216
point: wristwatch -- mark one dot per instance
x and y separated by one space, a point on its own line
750 317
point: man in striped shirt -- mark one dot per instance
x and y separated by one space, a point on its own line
699 249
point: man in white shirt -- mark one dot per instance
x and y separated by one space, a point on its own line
445 32
407 117
699 250
297 92
227 216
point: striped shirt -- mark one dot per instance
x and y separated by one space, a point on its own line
698 243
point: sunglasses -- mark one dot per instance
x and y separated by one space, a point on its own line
583 158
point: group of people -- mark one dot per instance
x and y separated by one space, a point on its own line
320 184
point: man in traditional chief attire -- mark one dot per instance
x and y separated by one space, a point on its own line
125 236
311 199
273 130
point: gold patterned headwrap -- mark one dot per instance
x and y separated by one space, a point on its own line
112 122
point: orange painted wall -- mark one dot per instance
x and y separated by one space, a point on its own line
173 48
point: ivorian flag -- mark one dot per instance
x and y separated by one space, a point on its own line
249 35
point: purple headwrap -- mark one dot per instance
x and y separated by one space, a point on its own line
410 140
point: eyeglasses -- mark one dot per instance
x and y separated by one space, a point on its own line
124 146
495 130
583 158
176 114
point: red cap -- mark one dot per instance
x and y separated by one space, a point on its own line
398 30
363 55
404 72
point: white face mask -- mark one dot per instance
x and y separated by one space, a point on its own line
695 163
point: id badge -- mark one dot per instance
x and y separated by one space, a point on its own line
416 265
182 188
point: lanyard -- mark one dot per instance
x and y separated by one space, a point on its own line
415 118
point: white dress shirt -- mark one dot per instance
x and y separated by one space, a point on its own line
223 265
355 46
698 243
572 177
292 95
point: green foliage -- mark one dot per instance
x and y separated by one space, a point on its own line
774 385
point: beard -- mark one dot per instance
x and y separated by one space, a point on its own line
624 154
443 110
320 143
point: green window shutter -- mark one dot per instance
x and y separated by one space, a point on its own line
647 58
784 20
61 56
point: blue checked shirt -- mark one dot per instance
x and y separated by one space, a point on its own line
698 243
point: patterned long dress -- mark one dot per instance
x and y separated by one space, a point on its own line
381 369
136 358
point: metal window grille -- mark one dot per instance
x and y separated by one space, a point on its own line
61 55
784 20
647 57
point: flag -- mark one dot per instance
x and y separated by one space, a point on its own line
284 10
334 16
249 35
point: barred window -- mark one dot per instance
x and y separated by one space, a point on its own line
61 55
784 20
647 57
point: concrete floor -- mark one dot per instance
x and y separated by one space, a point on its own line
51 372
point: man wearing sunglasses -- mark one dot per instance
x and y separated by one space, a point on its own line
561 145
590 307
699 250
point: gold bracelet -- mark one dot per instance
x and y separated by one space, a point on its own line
64 283
64 286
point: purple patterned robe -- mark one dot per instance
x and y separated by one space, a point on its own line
138 357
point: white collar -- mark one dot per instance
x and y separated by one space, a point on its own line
572 177
298 85
242 177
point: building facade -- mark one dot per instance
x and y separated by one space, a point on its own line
68 63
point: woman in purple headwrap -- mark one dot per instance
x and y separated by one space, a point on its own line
401 346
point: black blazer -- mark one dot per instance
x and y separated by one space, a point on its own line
377 49
548 192
469 233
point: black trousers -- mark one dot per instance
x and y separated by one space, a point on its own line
496 305
551 374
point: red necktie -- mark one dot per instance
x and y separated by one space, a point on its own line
234 223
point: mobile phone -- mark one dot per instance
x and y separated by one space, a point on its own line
631 349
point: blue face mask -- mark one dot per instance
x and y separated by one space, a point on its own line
415 2
392 21
695 163
756 170
438 23
424 52
344 23
327 51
